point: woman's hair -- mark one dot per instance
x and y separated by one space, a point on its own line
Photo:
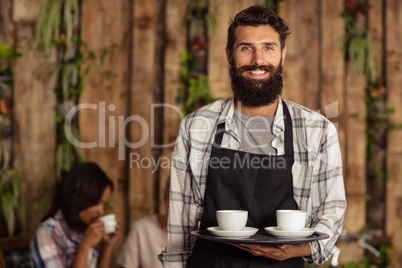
81 188
256 16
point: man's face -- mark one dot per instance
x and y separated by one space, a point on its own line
256 65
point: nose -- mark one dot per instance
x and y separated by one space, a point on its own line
257 58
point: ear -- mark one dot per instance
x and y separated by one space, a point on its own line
284 50
228 55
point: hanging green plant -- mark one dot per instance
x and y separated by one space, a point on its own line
199 14
199 22
358 46
195 92
57 27
57 24
13 202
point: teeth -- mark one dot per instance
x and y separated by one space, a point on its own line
258 72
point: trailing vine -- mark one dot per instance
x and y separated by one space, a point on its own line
58 29
13 203
358 46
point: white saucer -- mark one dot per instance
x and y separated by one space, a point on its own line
245 233
273 230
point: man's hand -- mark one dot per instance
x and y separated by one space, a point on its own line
277 252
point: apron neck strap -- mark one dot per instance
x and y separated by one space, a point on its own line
288 130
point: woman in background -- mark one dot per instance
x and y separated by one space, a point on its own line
70 231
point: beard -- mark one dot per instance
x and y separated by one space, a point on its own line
256 92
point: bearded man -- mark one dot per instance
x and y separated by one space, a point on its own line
254 152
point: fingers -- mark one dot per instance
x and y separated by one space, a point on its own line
253 249
277 252
93 233
96 229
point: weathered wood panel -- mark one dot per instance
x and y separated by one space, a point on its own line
104 24
332 65
375 26
25 11
332 70
175 46
355 163
393 67
141 99
34 117
355 114
218 66
6 22
394 209
393 82
301 66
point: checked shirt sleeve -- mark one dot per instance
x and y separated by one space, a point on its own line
44 251
182 209
328 200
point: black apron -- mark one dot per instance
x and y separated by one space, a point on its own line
260 184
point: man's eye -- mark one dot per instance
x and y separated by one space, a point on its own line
246 48
268 48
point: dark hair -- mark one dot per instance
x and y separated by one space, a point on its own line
256 16
81 188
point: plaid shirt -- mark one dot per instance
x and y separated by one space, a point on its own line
55 244
318 185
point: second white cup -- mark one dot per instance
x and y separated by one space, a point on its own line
290 220
232 220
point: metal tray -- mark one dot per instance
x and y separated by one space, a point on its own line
261 237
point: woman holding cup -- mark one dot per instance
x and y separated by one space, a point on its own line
70 231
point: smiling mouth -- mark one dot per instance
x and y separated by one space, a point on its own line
257 72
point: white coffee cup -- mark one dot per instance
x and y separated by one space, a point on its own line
232 220
290 220
109 221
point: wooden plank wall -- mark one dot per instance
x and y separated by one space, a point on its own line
393 71
143 80
150 41
6 22
302 62
175 46
33 108
105 24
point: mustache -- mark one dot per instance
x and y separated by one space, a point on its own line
268 68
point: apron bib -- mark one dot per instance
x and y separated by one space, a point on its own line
260 184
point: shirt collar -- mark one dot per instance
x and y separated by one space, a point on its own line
278 126
228 110
227 117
